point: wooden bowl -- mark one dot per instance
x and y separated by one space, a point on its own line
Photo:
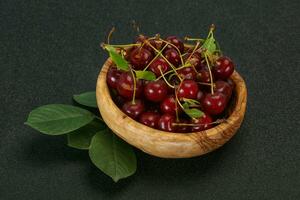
165 144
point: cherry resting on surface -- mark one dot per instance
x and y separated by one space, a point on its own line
125 86
165 123
203 123
159 63
140 57
173 56
113 76
188 89
223 68
133 110
156 91
214 104
150 119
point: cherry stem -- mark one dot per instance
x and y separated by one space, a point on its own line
210 74
203 83
134 85
193 39
170 71
110 34
184 124
178 99
163 76
121 45
181 59
174 69
158 54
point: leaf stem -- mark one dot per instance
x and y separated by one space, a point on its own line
162 74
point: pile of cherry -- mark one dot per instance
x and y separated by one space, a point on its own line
184 79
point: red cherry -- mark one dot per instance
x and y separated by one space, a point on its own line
140 57
224 88
223 68
231 83
214 104
203 76
133 110
156 90
169 105
183 128
173 56
200 96
203 123
113 76
165 123
188 89
159 63
187 73
125 86
176 42
150 119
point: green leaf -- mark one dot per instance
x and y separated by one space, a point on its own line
146 75
193 112
191 102
210 45
86 99
112 155
185 105
117 58
58 119
81 138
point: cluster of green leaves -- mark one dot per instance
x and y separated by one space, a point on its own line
86 131
189 110
122 64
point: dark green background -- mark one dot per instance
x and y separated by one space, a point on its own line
50 51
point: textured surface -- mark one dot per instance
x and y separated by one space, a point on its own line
50 51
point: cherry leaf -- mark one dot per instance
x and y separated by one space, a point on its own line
210 45
146 75
121 63
193 112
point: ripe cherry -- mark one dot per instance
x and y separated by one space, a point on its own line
214 104
113 76
203 76
173 56
188 89
156 91
223 68
200 96
187 73
125 86
166 122
169 105
140 57
176 42
150 119
133 110
202 123
159 63
224 88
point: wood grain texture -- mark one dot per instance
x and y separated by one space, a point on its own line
166 144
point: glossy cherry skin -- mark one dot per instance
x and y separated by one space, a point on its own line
224 88
223 68
150 119
166 121
113 76
169 105
200 96
214 104
183 128
188 89
231 83
173 56
125 86
202 123
133 110
140 57
156 91
203 76
159 63
187 73
176 42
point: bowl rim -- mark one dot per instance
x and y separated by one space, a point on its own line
237 112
